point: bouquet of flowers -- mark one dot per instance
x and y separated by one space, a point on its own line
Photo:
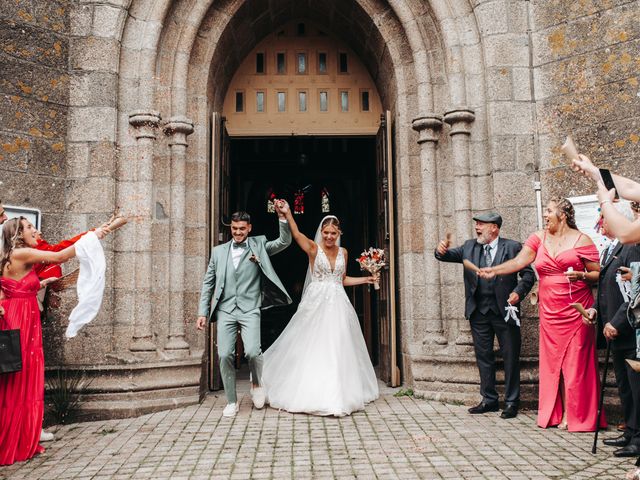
372 260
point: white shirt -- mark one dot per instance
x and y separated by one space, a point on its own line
493 248
236 253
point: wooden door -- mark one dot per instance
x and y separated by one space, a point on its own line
218 221
389 371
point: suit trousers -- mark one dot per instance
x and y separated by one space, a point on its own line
484 328
628 382
249 324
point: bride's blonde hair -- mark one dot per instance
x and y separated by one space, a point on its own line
331 221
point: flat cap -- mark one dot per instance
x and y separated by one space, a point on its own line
489 217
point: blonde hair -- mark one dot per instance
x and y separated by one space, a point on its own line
330 221
11 239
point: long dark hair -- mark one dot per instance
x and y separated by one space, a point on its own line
11 239
565 206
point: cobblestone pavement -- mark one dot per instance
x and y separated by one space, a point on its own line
396 437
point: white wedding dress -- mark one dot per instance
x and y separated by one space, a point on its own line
320 364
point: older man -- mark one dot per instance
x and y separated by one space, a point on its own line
486 308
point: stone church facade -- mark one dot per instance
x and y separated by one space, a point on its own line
109 103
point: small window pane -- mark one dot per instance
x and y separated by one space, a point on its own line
343 63
281 101
344 101
239 102
301 29
365 101
302 101
259 62
324 101
281 63
302 62
322 63
260 101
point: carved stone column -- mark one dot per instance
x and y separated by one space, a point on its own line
428 127
177 129
460 120
139 197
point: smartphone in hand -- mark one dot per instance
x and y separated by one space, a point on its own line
608 180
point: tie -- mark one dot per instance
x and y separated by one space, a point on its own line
487 255
240 245
608 255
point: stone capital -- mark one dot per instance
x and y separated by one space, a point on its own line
460 120
145 123
177 129
428 127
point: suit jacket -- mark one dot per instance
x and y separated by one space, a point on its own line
504 284
609 300
273 292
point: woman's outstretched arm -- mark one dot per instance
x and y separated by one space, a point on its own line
352 281
523 259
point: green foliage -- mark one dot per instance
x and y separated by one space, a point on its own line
64 392
406 392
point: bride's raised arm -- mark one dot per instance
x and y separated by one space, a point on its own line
306 244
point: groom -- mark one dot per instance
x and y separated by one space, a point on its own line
240 280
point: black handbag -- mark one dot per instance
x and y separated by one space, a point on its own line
10 354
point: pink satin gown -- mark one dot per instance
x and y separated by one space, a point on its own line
22 393
567 345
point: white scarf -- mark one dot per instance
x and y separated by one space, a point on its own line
90 282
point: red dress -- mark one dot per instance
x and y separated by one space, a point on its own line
22 393
567 345
49 270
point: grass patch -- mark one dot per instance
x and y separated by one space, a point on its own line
404 392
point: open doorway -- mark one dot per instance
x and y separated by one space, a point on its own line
317 176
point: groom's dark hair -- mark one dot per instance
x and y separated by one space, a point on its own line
241 217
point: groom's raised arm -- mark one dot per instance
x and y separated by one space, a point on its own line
208 284
282 242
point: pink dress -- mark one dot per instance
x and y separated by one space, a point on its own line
22 393
567 345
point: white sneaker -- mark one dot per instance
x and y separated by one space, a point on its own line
46 436
257 396
230 410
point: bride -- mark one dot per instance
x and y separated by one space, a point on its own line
320 364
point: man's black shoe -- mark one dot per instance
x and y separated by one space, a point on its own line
484 408
510 411
620 441
631 450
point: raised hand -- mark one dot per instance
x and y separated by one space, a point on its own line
605 195
585 166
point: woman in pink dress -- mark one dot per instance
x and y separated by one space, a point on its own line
22 393
567 263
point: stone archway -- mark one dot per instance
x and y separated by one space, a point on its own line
174 61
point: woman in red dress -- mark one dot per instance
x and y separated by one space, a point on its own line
567 263
22 393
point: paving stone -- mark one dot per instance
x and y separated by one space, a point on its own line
393 438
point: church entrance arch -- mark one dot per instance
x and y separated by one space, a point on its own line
302 120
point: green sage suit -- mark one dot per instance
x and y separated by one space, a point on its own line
234 296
